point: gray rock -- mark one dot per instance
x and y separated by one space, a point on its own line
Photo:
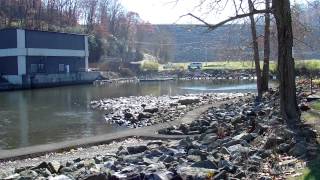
28 174
244 136
176 132
273 141
54 166
188 101
13 176
144 115
133 159
96 177
181 107
283 148
207 164
238 149
151 110
167 158
224 150
194 158
299 149
233 142
162 175
64 170
136 149
159 143
61 177
221 175
195 173
154 153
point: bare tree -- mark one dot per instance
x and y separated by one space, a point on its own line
282 12
255 47
266 54
288 101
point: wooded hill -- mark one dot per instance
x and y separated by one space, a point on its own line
230 42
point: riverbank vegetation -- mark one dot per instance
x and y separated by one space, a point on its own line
313 64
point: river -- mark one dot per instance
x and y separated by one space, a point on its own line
41 116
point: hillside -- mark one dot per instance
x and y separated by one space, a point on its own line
229 42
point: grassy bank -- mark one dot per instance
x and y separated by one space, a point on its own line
313 64
312 171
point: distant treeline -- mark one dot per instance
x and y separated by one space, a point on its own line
113 31
233 41
117 34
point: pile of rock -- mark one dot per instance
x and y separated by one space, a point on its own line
140 111
240 140
251 137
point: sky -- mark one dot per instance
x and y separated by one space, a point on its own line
169 12
163 11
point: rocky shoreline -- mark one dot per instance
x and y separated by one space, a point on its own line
140 111
240 140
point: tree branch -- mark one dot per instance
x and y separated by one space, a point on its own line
239 16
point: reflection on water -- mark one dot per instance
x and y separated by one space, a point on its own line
57 114
245 87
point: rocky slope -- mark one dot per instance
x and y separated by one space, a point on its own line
240 140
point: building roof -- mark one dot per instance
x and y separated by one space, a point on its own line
79 34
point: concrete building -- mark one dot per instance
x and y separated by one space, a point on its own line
30 57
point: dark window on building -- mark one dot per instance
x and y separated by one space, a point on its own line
61 68
41 68
37 68
34 68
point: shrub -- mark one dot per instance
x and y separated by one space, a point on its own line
150 66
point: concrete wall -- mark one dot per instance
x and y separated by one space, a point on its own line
60 79
8 38
52 40
51 80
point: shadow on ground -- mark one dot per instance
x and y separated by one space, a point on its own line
312 171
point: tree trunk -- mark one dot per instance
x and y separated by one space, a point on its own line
266 54
255 49
288 102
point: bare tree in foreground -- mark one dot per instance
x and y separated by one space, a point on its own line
266 51
255 48
282 13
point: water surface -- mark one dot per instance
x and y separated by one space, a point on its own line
43 116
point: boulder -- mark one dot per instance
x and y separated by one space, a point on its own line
244 136
61 177
181 107
189 100
54 166
151 110
273 141
162 175
221 175
238 149
207 164
28 174
96 177
176 132
196 173
299 149
304 107
144 115
136 149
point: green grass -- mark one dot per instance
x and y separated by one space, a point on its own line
311 172
316 105
238 65
312 64
231 65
